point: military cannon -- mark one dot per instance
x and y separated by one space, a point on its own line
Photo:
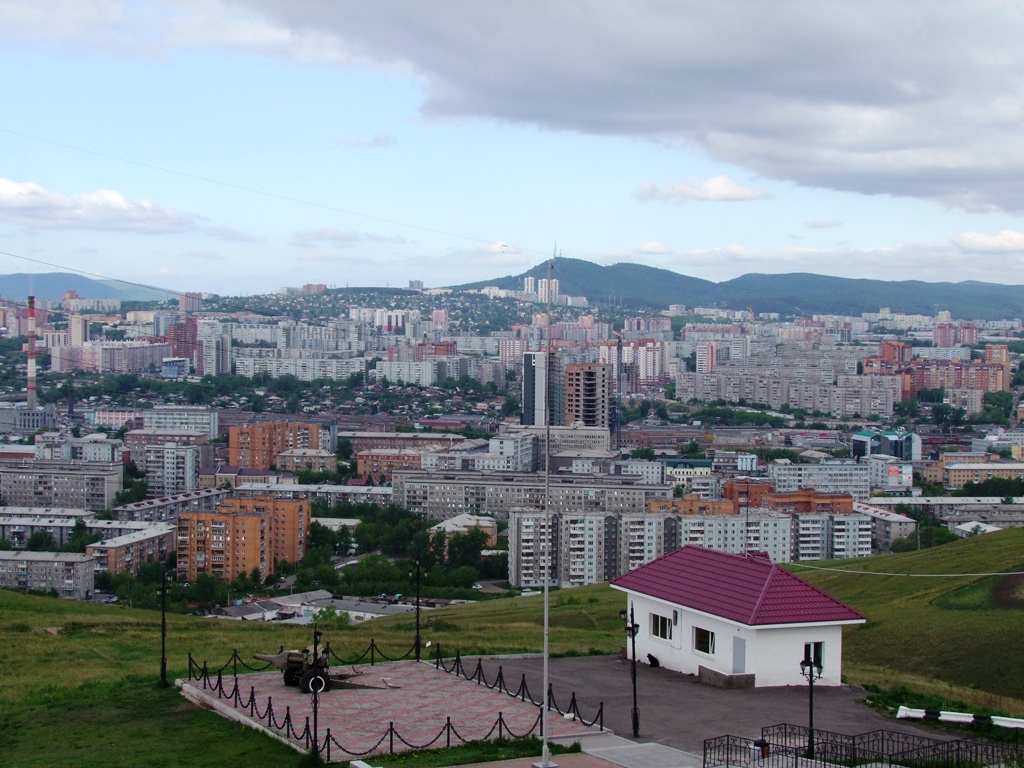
309 668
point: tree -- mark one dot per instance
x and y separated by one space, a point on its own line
41 541
643 453
464 549
692 450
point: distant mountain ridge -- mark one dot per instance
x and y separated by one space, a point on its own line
641 287
48 286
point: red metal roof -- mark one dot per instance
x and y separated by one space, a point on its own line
747 589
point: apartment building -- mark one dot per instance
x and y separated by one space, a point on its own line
242 536
830 476
588 390
958 475
753 531
595 547
169 507
170 469
440 495
17 524
128 551
886 525
177 417
304 369
256 446
61 446
136 440
42 483
533 538
830 537
307 459
70 575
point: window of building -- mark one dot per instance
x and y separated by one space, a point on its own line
704 641
661 626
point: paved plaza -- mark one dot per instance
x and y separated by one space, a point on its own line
415 696
678 712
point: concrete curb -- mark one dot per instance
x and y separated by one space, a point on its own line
201 699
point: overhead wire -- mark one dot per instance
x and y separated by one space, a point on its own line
265 193
913 575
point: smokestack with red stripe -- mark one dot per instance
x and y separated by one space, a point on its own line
32 353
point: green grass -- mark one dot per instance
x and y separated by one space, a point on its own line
78 686
937 635
127 722
79 683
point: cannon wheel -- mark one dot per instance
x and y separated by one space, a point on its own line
292 676
315 678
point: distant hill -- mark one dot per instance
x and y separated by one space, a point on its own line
641 287
50 285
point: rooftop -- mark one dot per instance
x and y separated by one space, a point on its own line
746 589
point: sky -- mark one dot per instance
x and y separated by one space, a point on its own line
240 146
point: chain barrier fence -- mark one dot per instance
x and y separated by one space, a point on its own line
212 681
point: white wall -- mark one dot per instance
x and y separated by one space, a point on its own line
772 655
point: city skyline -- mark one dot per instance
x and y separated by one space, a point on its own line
240 147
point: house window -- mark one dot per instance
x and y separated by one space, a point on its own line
704 641
814 654
661 626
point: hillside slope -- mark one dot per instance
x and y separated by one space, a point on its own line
963 629
49 286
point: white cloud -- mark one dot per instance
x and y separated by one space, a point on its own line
834 94
377 141
32 206
716 188
823 224
653 247
1007 241
340 238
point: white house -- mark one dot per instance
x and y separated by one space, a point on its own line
721 615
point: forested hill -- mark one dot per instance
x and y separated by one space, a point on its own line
641 287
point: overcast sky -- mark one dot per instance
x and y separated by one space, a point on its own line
244 145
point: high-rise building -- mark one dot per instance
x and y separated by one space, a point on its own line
535 389
242 536
171 468
256 446
175 417
190 302
588 389
707 354
78 330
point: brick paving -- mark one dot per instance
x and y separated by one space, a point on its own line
415 696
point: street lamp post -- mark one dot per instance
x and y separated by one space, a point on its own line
418 609
315 688
631 631
811 668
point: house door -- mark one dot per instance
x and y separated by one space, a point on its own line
739 656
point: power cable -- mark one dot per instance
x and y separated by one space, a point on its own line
915 575
264 193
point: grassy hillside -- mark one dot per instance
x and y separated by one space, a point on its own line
937 632
90 669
